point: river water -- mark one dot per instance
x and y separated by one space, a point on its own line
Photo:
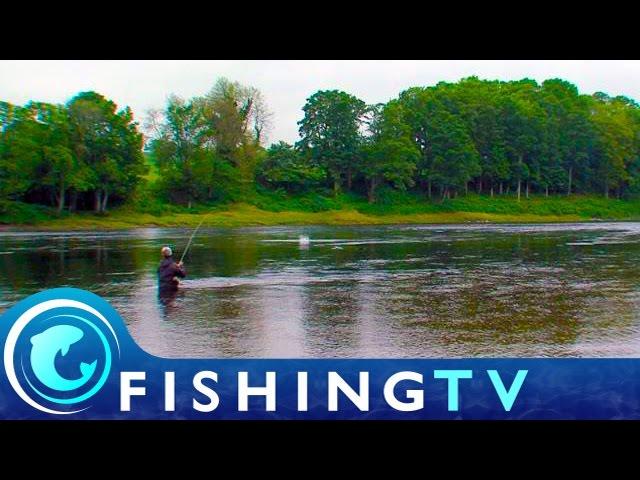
385 291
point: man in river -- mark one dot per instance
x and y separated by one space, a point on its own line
169 272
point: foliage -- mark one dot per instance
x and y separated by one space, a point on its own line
389 154
331 133
49 153
285 167
208 148
504 148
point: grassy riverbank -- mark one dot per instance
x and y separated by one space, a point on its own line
317 209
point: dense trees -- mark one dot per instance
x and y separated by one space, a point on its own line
331 133
107 146
208 148
85 149
496 138
388 154
284 167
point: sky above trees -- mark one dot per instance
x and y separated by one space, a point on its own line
144 85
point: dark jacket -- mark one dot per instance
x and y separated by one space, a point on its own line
167 273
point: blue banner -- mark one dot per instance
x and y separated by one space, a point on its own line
67 354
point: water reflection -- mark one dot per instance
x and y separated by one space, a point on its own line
167 297
393 291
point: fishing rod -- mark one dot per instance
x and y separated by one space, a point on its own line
191 240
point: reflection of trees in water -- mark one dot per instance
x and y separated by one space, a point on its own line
225 254
225 316
330 318
480 313
51 262
520 292
471 312
454 293
168 299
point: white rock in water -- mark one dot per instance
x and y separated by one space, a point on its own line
303 240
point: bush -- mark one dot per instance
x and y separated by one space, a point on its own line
18 213
279 201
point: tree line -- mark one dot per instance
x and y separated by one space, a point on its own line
84 154
493 137
208 148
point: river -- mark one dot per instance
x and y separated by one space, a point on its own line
377 292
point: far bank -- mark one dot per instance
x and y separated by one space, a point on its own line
317 210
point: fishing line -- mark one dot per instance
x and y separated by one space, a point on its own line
191 240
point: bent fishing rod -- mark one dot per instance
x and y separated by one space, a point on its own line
191 240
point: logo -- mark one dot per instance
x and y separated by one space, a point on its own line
58 355
67 351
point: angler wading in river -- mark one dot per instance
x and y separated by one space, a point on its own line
169 272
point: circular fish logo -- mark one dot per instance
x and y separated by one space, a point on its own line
58 354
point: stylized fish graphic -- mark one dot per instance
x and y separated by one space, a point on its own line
46 346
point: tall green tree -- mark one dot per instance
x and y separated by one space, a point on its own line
19 151
108 143
477 102
616 142
59 167
523 120
389 154
569 133
238 119
181 151
331 133
454 158
209 147
449 158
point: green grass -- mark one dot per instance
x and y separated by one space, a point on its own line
587 207
391 202
274 208
153 173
